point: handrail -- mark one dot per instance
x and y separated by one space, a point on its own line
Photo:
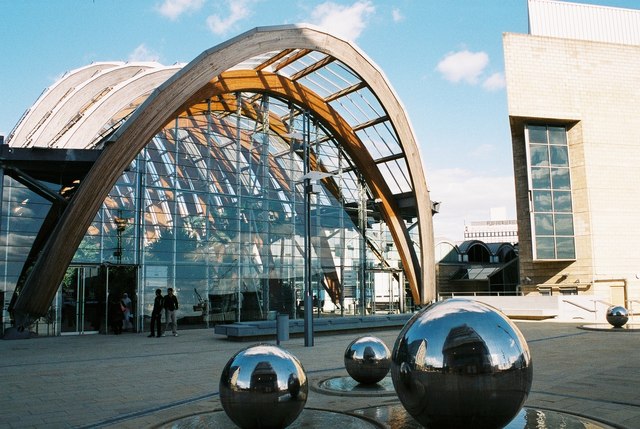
629 301
580 306
442 295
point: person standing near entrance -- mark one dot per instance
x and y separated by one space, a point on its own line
116 315
170 308
126 323
156 314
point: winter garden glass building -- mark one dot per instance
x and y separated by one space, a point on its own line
278 159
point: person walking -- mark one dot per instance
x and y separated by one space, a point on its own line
170 308
156 314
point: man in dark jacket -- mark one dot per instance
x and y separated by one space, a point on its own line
170 308
156 314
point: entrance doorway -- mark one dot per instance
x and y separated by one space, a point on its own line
82 309
86 293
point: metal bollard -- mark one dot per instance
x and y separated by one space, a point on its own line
282 328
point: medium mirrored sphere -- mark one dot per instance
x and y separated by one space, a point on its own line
461 363
367 360
263 386
617 316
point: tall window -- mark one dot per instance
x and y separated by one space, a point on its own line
550 192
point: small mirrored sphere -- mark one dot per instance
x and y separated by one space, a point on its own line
263 386
367 360
617 316
461 363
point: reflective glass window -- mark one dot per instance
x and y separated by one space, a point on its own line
550 191
542 201
559 156
541 178
537 134
559 176
539 155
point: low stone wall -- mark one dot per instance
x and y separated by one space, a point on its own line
267 328
561 308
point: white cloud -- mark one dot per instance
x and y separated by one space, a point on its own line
172 9
343 21
142 53
463 66
397 15
494 82
238 10
483 150
466 197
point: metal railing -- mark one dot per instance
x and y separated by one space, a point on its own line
446 295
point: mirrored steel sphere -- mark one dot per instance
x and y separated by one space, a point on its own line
617 316
263 386
367 360
461 363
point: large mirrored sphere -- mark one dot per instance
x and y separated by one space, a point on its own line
461 363
263 386
617 316
367 360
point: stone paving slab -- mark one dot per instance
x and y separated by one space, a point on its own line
131 381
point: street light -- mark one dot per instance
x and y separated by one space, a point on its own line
121 225
300 141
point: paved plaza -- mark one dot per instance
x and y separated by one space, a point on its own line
132 381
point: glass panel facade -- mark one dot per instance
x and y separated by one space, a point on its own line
23 213
214 207
550 190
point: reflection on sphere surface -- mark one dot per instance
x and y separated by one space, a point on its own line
263 386
367 359
461 363
617 316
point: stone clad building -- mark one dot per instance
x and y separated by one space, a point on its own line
573 85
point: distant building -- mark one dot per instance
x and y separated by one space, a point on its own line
573 88
474 267
492 231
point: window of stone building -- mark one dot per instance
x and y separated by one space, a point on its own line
550 192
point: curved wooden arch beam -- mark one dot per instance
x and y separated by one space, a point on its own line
225 103
332 282
82 98
53 97
228 102
249 80
165 103
118 100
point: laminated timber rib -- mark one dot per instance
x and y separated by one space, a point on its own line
185 88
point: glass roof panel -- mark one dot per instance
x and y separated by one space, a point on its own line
379 140
342 73
395 172
300 63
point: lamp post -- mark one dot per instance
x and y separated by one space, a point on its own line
308 298
121 225
300 142
310 186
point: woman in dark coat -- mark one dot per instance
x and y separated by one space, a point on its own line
116 315
156 314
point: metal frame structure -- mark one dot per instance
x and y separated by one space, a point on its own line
342 89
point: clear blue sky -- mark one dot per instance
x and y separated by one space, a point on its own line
443 57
